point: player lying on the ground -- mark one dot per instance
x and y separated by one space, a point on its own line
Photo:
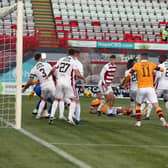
105 109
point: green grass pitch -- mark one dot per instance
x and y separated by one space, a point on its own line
102 142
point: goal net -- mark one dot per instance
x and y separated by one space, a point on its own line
10 64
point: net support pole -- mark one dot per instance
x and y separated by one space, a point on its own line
19 55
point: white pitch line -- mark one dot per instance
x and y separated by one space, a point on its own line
113 145
55 149
50 146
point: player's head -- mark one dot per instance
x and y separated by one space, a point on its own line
38 57
130 63
71 52
112 59
77 53
162 58
98 95
144 56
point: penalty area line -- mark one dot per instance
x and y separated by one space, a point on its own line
112 145
55 149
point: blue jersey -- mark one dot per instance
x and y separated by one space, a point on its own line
37 90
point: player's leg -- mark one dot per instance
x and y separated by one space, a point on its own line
53 110
61 110
70 93
140 97
111 99
160 114
56 95
77 111
132 101
103 91
67 102
152 97
77 108
165 96
41 107
37 107
72 111
149 110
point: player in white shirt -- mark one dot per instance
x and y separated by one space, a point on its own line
161 82
66 70
133 85
40 71
106 76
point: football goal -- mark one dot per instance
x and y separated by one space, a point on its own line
11 53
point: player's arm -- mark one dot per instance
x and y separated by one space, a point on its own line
127 79
158 68
77 73
29 83
157 77
92 110
51 72
124 84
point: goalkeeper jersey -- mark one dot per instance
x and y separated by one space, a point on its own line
95 103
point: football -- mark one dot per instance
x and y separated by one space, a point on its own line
87 93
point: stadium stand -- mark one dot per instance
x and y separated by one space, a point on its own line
108 19
28 17
44 23
8 33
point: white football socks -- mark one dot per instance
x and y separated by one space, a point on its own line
41 107
61 109
78 111
71 110
54 108
133 106
149 109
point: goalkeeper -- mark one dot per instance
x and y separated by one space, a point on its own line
105 109
37 90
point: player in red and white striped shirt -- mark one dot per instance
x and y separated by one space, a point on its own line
106 76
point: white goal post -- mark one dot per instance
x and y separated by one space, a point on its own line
19 56
11 54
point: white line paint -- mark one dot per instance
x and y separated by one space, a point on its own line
52 147
113 145
56 149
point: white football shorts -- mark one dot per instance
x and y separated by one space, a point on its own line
104 89
48 91
65 90
146 94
